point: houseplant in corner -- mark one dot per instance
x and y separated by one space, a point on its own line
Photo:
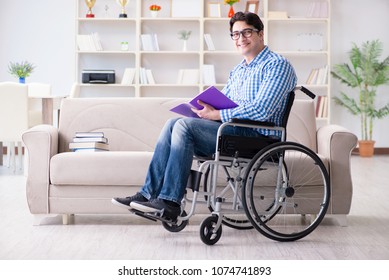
365 74
21 70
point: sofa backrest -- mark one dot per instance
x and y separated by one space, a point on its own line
134 124
130 124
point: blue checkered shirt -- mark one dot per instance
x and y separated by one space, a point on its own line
260 89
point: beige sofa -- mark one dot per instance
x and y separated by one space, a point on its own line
65 183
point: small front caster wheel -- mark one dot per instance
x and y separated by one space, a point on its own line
207 228
176 227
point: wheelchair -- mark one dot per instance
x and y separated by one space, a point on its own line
280 188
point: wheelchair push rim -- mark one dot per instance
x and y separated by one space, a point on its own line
286 191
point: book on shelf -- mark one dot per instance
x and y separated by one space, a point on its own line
209 74
322 107
149 42
325 108
150 77
89 145
89 42
211 96
146 76
318 76
128 76
188 77
209 42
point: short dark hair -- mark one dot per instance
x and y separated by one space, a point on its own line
248 18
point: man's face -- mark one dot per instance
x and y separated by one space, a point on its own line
248 47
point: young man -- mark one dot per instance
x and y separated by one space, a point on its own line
259 85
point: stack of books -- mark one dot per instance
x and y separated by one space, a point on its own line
89 42
89 142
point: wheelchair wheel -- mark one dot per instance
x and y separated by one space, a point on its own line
236 221
207 234
286 191
176 227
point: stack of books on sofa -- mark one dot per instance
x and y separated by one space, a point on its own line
89 142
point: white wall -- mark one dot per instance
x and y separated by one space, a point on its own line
42 32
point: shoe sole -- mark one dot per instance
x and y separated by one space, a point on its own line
144 208
117 203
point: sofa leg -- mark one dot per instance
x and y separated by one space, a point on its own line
65 219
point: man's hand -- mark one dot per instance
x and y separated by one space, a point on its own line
208 112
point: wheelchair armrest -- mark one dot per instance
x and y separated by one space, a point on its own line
251 122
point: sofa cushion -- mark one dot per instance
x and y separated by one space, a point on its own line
99 168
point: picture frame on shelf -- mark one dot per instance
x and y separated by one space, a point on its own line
214 10
185 9
252 6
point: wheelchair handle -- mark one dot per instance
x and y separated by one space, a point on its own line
306 91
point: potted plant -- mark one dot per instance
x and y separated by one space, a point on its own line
21 70
184 35
154 9
365 74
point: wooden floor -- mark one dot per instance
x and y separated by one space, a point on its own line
122 237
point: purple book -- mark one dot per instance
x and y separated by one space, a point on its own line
211 96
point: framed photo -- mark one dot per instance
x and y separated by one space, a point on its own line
252 6
185 9
214 9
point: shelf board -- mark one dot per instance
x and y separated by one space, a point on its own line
107 52
106 19
301 53
106 85
299 19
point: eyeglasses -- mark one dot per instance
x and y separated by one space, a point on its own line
247 33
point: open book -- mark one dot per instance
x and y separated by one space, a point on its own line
211 96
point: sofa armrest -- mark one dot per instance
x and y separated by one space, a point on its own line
336 143
41 142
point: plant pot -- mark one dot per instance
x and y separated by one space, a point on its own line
154 14
22 80
366 148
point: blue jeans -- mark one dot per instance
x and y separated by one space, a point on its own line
180 139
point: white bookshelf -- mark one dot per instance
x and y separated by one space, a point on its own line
283 35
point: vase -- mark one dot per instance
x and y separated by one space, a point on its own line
231 12
185 46
154 14
366 148
22 80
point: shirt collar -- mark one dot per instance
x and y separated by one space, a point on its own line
257 59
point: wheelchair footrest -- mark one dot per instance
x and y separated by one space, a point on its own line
153 216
